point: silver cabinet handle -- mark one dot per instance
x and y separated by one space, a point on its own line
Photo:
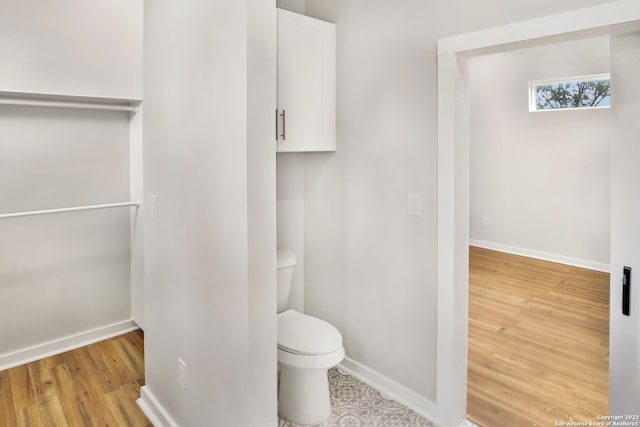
284 125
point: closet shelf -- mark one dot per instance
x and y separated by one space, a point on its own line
68 101
71 209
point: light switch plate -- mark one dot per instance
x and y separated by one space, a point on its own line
154 207
414 204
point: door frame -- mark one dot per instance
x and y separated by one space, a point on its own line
453 174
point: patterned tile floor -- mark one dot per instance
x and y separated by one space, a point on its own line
355 404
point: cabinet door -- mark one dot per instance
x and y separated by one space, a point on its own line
306 83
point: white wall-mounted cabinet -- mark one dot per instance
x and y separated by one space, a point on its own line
306 84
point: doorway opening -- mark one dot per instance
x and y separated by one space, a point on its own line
453 192
539 232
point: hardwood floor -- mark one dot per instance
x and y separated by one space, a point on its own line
92 386
538 341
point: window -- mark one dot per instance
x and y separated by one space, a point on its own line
571 93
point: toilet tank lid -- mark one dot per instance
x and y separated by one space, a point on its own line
286 258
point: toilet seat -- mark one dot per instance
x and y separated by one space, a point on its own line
302 335
310 362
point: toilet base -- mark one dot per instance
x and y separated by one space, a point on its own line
303 397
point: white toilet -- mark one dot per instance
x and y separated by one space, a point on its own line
307 348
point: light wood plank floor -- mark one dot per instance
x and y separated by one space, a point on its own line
538 341
92 386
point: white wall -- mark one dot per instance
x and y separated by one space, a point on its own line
369 265
541 179
207 300
625 231
297 6
72 47
66 274
291 212
261 205
369 268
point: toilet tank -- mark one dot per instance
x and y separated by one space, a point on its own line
286 264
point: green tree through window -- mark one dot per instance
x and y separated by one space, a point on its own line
582 94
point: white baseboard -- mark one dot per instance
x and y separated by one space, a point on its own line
396 391
156 413
545 256
61 345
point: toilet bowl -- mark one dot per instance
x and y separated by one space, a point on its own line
307 348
